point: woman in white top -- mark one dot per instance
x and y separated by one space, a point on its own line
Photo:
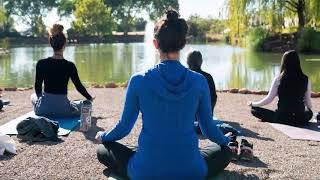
293 88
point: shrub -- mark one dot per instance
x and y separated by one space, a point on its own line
309 40
5 43
256 38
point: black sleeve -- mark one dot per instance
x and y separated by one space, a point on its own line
213 92
39 79
76 81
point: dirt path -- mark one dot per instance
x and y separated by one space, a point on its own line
277 157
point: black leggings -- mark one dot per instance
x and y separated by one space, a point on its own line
292 119
116 157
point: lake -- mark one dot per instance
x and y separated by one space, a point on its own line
231 67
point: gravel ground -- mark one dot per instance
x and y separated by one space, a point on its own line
276 156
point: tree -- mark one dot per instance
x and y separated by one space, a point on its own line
92 18
31 12
125 11
157 7
298 7
6 22
66 7
2 16
198 27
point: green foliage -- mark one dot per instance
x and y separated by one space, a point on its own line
31 12
256 38
66 7
201 27
6 23
309 41
92 18
2 16
138 24
157 7
125 11
275 16
5 43
198 27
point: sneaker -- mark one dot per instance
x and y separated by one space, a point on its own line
234 145
246 150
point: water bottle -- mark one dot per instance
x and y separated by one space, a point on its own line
85 118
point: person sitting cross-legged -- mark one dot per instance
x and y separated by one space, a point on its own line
293 88
55 72
168 96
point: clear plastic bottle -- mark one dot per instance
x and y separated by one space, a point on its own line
85 118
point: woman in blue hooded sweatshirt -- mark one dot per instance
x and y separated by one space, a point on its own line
168 97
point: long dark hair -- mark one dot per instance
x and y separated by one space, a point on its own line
171 32
290 64
293 80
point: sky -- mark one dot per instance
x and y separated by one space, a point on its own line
203 8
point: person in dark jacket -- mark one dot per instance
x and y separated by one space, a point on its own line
194 61
54 72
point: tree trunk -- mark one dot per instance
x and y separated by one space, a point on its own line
301 16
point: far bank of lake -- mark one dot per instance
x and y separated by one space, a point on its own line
231 67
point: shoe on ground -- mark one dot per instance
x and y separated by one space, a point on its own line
246 150
234 146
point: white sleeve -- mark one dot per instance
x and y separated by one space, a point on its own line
273 92
307 96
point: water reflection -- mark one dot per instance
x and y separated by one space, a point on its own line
100 63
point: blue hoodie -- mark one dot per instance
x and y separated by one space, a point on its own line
168 96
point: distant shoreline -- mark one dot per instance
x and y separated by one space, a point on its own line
131 38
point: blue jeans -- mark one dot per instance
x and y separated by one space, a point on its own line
55 106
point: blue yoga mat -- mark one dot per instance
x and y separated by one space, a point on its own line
66 125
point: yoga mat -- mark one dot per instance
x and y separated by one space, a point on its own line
310 132
66 125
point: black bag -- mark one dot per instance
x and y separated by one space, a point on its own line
38 129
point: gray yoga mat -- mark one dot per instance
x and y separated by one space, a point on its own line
310 132
66 125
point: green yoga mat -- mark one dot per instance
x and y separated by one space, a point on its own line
66 125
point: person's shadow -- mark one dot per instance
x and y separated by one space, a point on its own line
6 157
247 132
45 142
254 163
91 133
237 175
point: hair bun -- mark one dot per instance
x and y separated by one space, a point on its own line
56 29
172 15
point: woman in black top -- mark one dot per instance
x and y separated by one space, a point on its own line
55 72
293 88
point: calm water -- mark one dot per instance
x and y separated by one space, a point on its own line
100 63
